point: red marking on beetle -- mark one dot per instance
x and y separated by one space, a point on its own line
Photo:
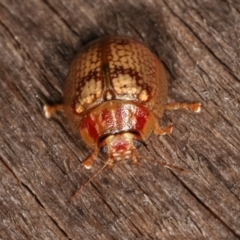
141 117
120 146
107 117
119 113
90 125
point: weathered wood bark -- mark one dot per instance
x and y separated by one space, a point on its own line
198 42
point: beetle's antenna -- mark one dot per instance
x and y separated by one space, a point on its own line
164 164
89 180
168 165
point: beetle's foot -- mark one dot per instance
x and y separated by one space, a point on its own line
194 107
87 163
162 131
110 163
135 161
48 110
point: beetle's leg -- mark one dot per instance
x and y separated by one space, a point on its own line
167 165
135 161
110 164
162 131
87 163
195 107
48 110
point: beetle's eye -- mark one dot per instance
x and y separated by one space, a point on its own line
104 149
137 144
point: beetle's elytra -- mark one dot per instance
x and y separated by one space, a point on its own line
115 91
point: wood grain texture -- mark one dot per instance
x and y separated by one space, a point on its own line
198 42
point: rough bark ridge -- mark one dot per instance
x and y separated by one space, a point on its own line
198 42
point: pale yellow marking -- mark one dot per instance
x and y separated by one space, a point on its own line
115 154
46 111
114 119
79 108
124 64
143 96
122 56
124 60
121 53
115 58
198 109
109 96
89 89
124 83
113 64
89 99
129 120
90 61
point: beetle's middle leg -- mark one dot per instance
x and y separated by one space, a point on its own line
162 131
194 107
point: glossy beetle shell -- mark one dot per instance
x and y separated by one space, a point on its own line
114 68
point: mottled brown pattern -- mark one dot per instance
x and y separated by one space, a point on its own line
114 68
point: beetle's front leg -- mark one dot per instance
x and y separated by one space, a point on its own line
49 110
87 163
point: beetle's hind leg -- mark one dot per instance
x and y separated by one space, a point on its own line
49 110
194 107
162 131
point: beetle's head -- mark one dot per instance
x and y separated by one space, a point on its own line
121 146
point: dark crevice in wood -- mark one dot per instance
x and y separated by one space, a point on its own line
199 228
135 226
33 194
217 174
7 145
203 43
15 91
60 17
116 215
57 225
136 31
11 85
167 68
23 231
152 205
144 192
42 206
206 207
66 133
187 52
19 45
219 135
10 170
104 201
51 85
9 31
234 8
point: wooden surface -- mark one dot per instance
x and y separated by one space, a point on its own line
198 42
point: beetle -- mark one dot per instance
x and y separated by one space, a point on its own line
115 92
